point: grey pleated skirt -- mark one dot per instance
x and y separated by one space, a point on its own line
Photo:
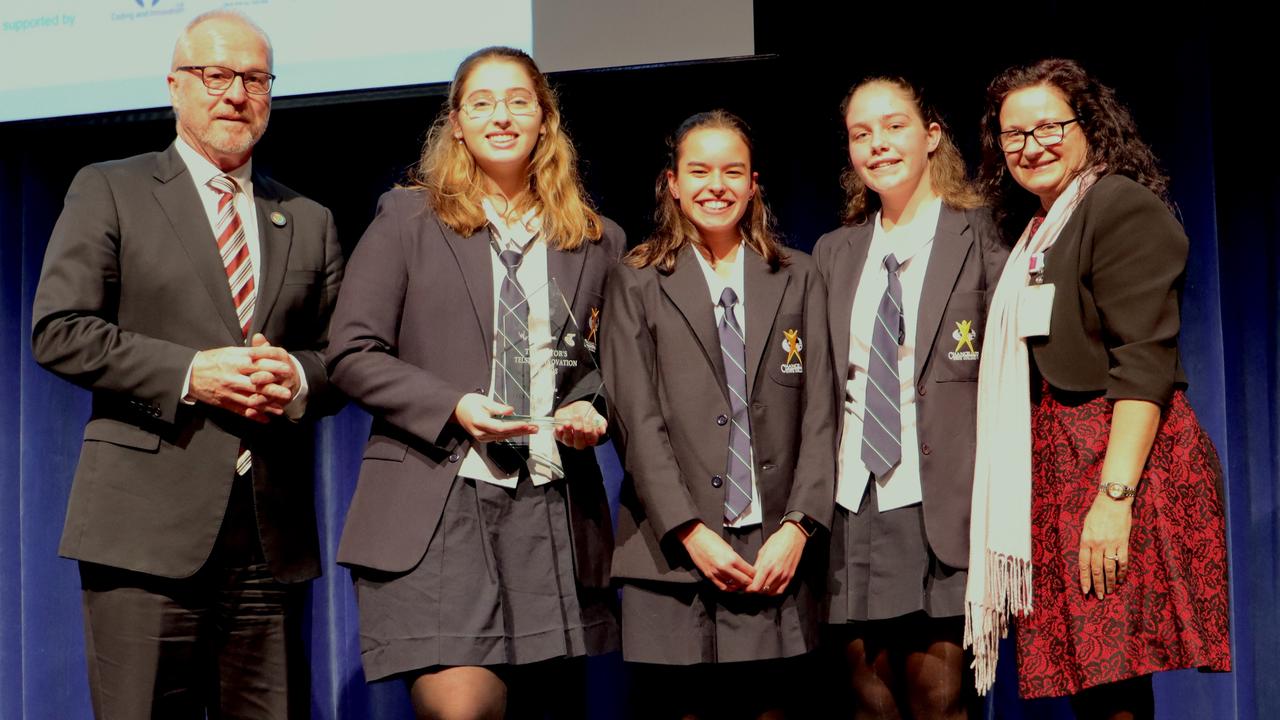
496 586
881 566
689 623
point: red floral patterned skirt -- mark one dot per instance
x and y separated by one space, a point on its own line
1171 611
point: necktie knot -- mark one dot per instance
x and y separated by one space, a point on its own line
510 259
728 298
891 263
224 185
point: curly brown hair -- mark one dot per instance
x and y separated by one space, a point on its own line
1109 131
674 231
946 166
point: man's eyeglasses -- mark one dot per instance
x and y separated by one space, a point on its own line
216 77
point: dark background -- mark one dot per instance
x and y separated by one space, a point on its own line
1197 83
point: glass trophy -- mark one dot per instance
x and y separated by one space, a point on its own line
544 357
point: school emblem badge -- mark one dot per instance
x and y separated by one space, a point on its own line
964 335
792 345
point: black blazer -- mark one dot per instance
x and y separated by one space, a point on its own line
1117 271
663 368
964 266
132 286
412 334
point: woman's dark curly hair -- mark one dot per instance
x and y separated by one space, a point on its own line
1108 128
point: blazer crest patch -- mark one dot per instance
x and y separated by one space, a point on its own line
964 335
792 344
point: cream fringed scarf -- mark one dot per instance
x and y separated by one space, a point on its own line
1000 523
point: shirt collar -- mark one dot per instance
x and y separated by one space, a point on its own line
202 171
516 234
907 243
716 284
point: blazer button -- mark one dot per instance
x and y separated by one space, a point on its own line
453 457
722 421
716 481
926 449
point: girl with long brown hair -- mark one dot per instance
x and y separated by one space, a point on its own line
716 364
908 276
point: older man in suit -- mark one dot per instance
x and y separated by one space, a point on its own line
191 296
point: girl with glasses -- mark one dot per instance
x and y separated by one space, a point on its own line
480 543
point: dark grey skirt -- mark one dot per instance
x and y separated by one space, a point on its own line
689 623
496 586
881 566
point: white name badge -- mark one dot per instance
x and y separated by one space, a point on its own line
1035 308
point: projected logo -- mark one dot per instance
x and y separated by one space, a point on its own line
143 3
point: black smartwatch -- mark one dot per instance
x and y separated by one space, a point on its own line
807 525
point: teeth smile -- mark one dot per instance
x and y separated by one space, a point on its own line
715 204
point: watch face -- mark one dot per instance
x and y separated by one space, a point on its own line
1116 491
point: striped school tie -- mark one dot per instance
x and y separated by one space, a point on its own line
234 250
882 414
733 345
512 374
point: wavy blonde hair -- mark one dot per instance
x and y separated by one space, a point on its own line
674 231
947 172
455 185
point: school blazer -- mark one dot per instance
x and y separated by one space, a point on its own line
412 333
665 376
964 266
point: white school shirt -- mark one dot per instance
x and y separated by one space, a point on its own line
911 245
716 285
544 457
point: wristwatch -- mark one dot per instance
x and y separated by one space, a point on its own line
1117 490
807 525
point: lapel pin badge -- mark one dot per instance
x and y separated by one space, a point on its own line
278 219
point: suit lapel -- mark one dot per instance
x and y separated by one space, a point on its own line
472 254
764 288
845 274
181 204
273 249
688 290
566 269
946 258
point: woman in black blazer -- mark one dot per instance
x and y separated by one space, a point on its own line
1098 497
908 277
715 359
481 566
